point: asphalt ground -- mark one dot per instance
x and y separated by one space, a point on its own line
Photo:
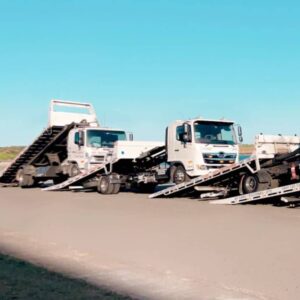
156 248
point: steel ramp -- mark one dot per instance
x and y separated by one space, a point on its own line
39 145
262 195
85 175
76 179
186 186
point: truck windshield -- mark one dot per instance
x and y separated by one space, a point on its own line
214 133
104 138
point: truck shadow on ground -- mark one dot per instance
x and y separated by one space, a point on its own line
22 280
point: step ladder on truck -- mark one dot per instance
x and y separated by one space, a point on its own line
274 165
192 148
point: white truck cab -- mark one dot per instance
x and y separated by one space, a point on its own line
91 146
199 145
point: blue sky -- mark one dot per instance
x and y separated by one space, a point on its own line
145 63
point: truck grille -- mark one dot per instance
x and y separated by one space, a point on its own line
219 158
98 158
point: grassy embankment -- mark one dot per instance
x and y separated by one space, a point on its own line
9 153
24 281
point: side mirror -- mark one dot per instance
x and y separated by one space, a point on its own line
130 136
186 136
185 128
81 138
240 133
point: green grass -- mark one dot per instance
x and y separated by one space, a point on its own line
9 153
24 281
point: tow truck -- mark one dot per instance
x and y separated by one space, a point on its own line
272 171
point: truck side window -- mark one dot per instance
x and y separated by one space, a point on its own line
76 138
179 132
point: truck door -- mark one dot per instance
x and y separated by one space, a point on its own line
76 149
183 145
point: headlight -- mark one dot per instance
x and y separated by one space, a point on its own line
202 167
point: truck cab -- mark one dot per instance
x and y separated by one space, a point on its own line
91 146
197 146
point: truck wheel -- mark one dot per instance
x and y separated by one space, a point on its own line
180 175
24 180
105 186
20 175
73 170
116 189
250 184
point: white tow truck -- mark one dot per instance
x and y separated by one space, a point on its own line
272 171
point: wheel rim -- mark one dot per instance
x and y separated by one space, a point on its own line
179 176
251 184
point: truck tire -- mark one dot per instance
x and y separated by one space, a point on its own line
74 170
179 175
19 175
104 186
116 188
25 180
30 181
251 184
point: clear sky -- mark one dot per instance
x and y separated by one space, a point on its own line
145 63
